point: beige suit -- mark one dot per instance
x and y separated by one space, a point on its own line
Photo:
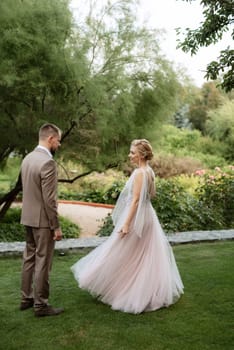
39 179
40 216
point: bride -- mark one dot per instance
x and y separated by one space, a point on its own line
134 270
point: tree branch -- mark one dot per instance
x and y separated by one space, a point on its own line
70 181
69 130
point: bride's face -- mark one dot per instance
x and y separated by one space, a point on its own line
134 155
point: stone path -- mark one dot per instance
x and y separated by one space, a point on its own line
71 245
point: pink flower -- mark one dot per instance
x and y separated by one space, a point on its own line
211 177
231 167
217 168
200 172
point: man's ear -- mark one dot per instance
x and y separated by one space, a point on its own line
50 138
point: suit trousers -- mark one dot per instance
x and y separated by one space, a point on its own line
37 263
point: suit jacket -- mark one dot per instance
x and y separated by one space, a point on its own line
39 181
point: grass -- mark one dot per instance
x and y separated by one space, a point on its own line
201 320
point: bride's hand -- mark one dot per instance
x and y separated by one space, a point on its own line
124 231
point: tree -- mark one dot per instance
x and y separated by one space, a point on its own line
218 18
181 120
102 80
35 78
208 98
220 126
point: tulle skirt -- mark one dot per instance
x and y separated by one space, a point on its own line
132 274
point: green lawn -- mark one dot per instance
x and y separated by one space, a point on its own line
202 319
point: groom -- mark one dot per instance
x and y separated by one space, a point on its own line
40 217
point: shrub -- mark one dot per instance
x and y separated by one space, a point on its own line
177 209
183 143
95 196
216 192
112 194
166 166
69 229
107 226
12 231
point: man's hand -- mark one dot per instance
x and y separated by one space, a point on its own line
58 234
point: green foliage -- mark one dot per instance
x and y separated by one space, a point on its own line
218 18
107 227
94 80
9 174
11 230
217 194
12 216
103 82
69 229
220 126
96 193
209 205
178 210
209 98
181 118
112 194
34 69
95 196
191 145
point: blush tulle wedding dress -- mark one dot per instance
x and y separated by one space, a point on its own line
136 273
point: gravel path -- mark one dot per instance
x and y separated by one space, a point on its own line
88 216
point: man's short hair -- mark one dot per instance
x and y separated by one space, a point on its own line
47 130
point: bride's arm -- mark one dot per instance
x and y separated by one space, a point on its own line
137 185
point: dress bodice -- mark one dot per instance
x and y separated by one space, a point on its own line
125 198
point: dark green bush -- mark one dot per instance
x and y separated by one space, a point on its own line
96 195
12 231
179 211
93 196
107 226
69 229
217 194
211 209
112 194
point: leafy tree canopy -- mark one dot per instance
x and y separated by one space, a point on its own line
220 126
218 18
101 79
209 97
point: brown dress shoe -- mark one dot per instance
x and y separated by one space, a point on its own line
26 304
48 310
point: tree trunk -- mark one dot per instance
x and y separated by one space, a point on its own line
8 198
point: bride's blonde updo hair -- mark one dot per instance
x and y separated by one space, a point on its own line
144 148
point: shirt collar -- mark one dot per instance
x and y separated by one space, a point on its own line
45 149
